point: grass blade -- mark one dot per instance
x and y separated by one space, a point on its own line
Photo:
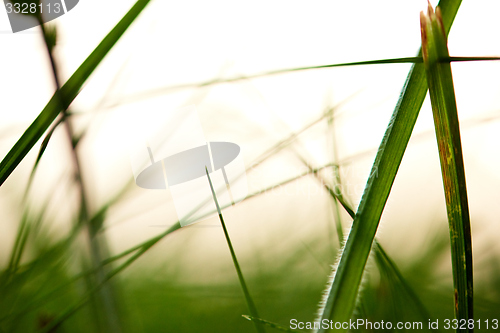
444 110
406 60
383 260
341 297
69 90
248 298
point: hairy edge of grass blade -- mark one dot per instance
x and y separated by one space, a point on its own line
379 252
444 110
341 296
248 298
69 90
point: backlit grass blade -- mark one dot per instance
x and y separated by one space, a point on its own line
248 298
383 260
406 60
386 264
444 110
41 151
341 297
69 90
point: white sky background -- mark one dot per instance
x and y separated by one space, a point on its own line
178 42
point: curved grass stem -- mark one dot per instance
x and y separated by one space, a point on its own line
251 305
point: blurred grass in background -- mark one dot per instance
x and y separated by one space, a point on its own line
161 296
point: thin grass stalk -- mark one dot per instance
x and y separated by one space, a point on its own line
251 305
106 295
336 178
405 60
444 110
338 221
382 256
19 243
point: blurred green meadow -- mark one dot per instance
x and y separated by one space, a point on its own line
163 293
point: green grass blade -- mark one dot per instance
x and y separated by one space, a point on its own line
41 151
22 233
341 296
444 110
69 90
383 260
248 298
406 60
